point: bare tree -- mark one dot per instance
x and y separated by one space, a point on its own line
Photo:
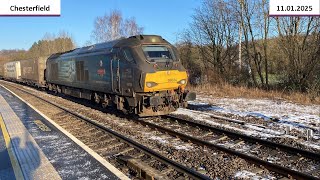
299 42
213 31
284 48
264 28
131 27
111 26
191 59
255 23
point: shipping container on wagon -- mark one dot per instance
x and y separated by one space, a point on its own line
12 70
32 71
2 69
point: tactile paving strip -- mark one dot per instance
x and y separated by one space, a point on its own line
33 162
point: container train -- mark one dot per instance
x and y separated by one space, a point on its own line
141 74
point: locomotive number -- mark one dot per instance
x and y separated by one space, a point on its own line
172 80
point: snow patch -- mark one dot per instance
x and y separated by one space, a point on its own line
250 175
159 139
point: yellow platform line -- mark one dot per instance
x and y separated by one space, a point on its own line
14 162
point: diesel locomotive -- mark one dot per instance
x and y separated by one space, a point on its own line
141 74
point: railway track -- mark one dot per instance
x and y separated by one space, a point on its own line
142 161
205 133
291 162
260 128
257 120
251 139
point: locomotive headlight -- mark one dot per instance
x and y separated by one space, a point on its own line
151 84
183 81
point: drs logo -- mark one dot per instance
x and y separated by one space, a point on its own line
101 71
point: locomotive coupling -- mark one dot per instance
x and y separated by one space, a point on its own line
155 100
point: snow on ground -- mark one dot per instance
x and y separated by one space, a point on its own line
250 175
286 112
279 114
205 117
177 146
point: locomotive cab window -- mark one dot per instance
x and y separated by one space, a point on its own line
158 53
126 52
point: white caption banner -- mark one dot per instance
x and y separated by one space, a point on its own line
30 8
294 8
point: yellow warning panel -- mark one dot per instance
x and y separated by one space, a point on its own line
14 161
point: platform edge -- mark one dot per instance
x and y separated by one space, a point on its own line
13 159
100 159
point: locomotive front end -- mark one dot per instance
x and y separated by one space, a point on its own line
164 78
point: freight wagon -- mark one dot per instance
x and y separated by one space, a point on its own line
32 71
1 69
12 71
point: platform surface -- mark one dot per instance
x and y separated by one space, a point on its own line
6 170
32 161
33 148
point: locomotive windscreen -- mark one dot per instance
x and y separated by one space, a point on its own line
158 53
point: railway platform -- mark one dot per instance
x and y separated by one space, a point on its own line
33 147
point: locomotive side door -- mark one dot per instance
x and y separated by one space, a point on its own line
126 71
122 72
115 72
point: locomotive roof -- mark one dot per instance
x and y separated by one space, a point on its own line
107 46
88 49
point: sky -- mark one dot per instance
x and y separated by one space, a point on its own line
167 18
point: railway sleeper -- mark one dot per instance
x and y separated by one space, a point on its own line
237 143
104 149
257 170
94 145
92 139
83 137
221 138
77 124
123 152
206 134
168 171
138 156
97 139
141 169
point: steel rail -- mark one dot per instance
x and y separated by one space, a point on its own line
270 166
289 149
192 173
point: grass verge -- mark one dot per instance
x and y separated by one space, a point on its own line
227 90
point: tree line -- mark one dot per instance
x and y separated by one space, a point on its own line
48 45
237 42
